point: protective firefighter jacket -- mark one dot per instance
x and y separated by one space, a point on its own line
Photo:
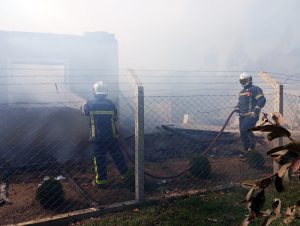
103 115
251 99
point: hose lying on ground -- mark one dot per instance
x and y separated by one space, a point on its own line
147 173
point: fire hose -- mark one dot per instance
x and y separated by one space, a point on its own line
147 173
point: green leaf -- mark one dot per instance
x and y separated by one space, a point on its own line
274 150
292 146
289 215
248 183
283 169
297 209
278 184
258 202
249 194
246 222
256 128
276 206
290 211
275 129
296 165
264 182
268 220
289 157
273 136
278 118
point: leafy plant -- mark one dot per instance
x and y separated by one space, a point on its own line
50 194
288 156
200 167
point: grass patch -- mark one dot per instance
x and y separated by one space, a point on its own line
215 208
288 197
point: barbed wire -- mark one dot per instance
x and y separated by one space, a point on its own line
120 83
127 75
217 71
127 97
54 68
49 68
63 76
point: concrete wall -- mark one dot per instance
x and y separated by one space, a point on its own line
86 59
34 132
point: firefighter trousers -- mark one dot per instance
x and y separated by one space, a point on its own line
100 150
247 137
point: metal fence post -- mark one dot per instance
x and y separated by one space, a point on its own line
139 138
139 144
278 106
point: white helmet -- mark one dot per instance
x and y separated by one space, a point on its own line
99 88
245 79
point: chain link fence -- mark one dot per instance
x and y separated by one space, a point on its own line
184 111
182 131
47 162
183 119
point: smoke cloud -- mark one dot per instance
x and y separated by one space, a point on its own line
175 34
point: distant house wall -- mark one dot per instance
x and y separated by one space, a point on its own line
34 132
86 59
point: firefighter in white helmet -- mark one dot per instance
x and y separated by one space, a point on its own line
251 101
103 134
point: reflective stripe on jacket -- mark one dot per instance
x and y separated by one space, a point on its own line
103 115
251 99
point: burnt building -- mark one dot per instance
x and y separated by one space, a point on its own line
54 62
44 79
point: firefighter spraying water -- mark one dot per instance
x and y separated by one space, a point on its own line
103 134
251 101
